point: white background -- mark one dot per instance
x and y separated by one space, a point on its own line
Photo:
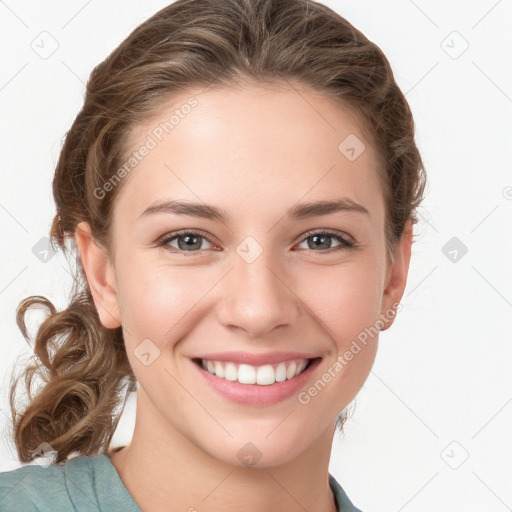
441 387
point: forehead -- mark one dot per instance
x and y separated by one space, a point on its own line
252 149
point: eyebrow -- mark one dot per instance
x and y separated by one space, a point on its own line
299 211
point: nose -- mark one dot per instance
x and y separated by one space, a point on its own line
257 298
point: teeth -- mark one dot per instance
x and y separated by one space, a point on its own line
281 372
246 374
262 375
290 372
231 372
219 371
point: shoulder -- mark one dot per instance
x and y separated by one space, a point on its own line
32 487
342 500
55 488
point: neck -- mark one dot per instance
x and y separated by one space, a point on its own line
169 468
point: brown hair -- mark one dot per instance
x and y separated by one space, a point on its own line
189 43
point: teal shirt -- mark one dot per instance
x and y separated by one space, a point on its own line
89 484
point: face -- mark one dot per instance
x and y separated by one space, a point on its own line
250 274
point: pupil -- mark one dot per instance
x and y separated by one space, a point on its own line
187 245
322 238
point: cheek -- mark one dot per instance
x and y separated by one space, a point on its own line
155 298
345 299
346 302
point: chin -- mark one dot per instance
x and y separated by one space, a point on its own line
259 449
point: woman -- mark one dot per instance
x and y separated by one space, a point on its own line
240 189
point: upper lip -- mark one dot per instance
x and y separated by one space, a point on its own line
255 359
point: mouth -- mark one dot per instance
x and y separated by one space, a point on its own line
263 375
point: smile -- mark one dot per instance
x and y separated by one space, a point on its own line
255 379
264 375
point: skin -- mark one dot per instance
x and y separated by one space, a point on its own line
255 152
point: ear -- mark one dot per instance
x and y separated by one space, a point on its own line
100 276
396 277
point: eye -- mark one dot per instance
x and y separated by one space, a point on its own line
321 239
188 241
192 241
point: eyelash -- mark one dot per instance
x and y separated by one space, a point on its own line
345 242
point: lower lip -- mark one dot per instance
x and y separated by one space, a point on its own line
255 394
